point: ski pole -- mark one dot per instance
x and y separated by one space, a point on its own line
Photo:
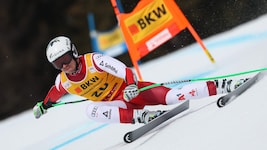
70 102
201 79
176 82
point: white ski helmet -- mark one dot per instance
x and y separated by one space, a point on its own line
59 46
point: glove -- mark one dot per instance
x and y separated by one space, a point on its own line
39 110
130 92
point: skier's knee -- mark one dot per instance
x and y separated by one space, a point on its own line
105 114
91 111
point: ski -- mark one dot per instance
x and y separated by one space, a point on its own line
137 133
226 99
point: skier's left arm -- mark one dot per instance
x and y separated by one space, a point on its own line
119 69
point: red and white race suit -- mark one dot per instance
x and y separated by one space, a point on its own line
102 79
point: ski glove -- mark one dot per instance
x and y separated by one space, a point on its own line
130 92
39 109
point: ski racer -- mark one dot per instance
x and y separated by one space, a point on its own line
113 88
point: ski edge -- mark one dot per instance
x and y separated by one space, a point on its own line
131 136
226 99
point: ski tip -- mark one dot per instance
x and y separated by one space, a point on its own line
127 138
220 102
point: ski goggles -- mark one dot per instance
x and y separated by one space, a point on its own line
63 60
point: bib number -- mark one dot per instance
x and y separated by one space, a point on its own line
100 91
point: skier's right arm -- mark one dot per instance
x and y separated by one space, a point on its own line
51 98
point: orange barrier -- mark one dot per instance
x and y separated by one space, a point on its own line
150 24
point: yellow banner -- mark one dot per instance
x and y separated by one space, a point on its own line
147 20
109 39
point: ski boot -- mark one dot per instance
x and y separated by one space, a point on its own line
228 85
145 116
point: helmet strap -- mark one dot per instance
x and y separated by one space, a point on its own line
78 64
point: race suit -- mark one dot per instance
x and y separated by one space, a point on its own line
102 79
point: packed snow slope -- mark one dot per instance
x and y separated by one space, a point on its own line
241 125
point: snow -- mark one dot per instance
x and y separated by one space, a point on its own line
240 125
